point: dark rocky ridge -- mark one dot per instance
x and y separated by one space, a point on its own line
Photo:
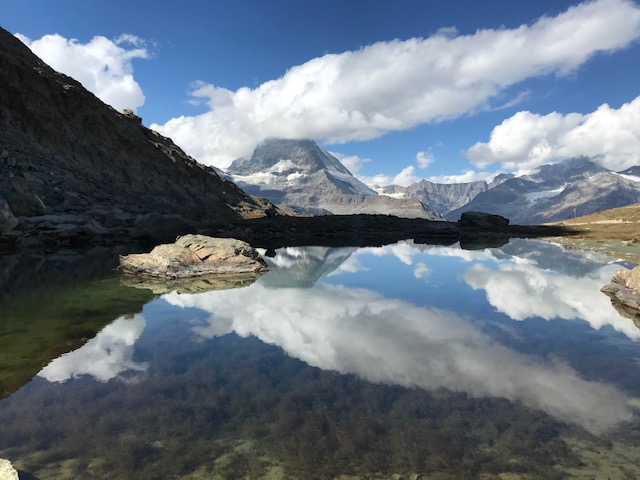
62 150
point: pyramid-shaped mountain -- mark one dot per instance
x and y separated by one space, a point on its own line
300 176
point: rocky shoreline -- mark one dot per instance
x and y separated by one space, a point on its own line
101 227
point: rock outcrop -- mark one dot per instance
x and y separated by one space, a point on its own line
193 256
483 220
625 289
63 151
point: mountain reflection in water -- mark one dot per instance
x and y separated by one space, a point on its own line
399 360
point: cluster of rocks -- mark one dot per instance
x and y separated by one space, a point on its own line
91 227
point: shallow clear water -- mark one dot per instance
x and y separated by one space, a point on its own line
401 360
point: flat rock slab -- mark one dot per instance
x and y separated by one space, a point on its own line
194 256
625 288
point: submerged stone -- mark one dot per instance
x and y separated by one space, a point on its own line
193 256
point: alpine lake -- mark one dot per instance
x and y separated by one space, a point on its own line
408 361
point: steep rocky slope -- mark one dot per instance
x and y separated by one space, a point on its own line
300 176
63 151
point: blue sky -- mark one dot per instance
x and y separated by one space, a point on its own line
399 90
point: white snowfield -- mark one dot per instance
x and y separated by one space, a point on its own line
533 197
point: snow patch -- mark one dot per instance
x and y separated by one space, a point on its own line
260 178
274 175
633 178
533 197
381 191
282 166
294 176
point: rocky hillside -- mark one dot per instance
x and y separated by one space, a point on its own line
300 176
557 192
64 152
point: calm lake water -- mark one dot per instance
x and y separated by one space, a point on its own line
405 361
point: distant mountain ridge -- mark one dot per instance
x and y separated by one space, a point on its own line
557 192
300 176
444 197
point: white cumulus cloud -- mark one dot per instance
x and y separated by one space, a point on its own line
101 65
353 162
395 85
424 159
527 140
467 176
405 177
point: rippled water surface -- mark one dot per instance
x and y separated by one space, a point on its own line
405 361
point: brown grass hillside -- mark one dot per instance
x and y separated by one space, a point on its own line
615 232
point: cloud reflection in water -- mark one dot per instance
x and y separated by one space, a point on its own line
108 355
524 291
386 340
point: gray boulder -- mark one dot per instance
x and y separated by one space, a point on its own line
483 220
195 255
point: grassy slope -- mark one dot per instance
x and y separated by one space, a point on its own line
615 232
